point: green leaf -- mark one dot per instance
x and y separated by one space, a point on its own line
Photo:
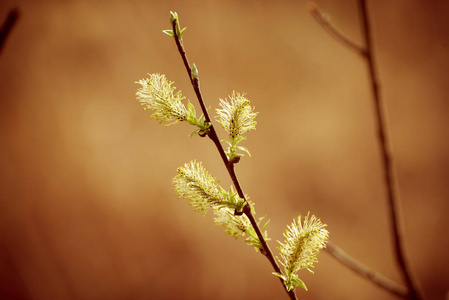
253 233
182 32
191 110
173 16
169 32
244 149
237 140
279 275
264 226
196 132
202 120
298 282
253 239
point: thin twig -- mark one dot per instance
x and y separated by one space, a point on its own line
333 30
7 26
413 292
364 271
392 195
229 165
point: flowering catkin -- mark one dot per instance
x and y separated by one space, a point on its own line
236 115
158 95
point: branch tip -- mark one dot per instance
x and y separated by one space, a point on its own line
10 22
324 20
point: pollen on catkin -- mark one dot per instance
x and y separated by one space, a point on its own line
236 115
299 251
303 242
198 186
235 225
158 95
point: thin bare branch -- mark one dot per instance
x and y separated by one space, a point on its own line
364 271
392 193
7 26
367 51
324 21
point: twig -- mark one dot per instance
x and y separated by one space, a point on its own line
414 293
229 165
7 26
333 30
364 271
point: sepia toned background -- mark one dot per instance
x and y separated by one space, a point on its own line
87 209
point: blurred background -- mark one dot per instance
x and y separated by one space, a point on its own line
87 208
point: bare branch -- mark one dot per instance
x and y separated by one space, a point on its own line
324 21
392 193
371 275
367 51
7 26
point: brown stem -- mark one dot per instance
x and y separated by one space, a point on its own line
229 165
413 292
371 275
392 197
7 26
333 30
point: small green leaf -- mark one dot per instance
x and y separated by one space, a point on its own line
279 275
202 119
182 32
196 132
173 16
225 141
253 239
298 282
191 110
169 32
244 149
266 224
237 140
252 233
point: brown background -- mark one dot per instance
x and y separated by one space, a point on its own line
87 208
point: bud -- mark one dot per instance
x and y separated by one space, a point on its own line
194 72
173 16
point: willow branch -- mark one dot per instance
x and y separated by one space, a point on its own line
229 165
333 30
362 270
7 26
413 292
392 194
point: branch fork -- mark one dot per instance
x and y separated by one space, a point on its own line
412 292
